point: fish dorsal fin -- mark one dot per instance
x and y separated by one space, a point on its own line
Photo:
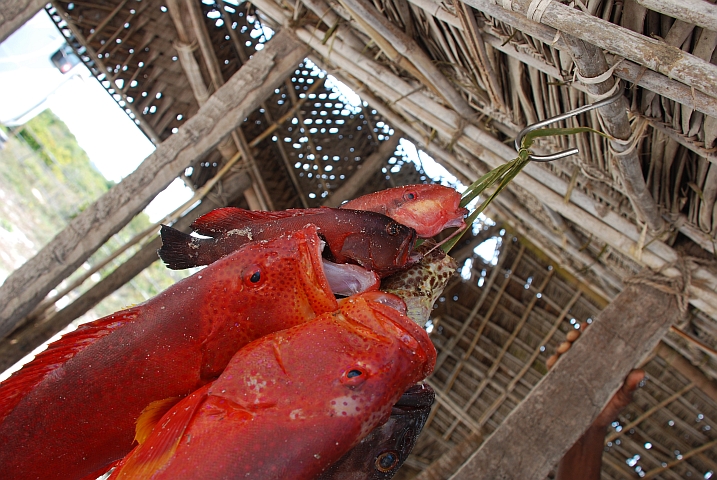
225 219
158 448
151 415
14 389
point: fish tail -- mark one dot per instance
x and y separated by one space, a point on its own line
180 250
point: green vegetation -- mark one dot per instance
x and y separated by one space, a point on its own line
47 180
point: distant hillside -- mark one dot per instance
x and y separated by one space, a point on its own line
47 179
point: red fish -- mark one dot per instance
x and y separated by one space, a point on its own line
426 208
72 411
373 241
383 451
292 403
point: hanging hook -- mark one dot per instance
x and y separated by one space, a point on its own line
548 121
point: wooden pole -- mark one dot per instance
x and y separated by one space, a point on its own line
408 48
536 435
29 336
698 12
224 112
14 14
648 52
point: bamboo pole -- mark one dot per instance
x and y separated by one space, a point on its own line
407 48
627 70
591 63
224 111
646 51
698 12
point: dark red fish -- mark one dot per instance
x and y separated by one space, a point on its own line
291 403
72 411
383 451
371 240
426 208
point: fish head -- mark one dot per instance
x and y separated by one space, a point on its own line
429 209
263 287
379 243
422 283
383 451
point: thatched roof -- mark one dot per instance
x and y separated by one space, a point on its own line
460 80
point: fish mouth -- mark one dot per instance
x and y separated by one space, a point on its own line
457 219
407 331
313 278
416 398
405 250
323 279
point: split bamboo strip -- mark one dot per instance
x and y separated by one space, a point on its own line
498 358
529 363
648 413
653 473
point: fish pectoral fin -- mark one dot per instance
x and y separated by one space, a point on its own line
159 446
151 415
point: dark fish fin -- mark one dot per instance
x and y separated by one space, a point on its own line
158 449
151 415
222 220
14 389
179 250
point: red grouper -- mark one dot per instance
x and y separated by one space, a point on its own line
292 403
426 208
371 240
72 411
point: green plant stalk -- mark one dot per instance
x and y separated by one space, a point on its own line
504 174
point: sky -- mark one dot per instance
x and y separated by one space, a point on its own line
30 83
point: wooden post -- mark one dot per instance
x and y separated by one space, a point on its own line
536 435
223 113
14 14
33 334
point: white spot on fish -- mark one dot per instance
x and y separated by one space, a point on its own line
244 232
345 406
297 414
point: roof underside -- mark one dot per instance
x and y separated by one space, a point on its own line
460 80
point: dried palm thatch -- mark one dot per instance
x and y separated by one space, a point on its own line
460 79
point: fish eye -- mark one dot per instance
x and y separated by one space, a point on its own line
392 229
410 196
386 461
354 376
253 276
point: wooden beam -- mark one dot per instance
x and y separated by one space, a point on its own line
377 24
223 113
698 12
33 334
365 171
648 52
14 14
536 435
